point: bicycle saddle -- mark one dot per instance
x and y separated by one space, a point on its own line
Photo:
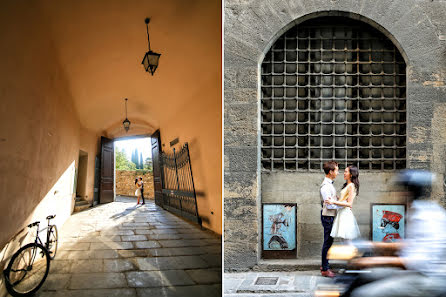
33 224
50 217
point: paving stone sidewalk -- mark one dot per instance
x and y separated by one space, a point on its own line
269 284
120 249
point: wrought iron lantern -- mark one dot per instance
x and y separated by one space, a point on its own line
151 59
126 122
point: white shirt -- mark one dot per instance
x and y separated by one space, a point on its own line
328 191
425 244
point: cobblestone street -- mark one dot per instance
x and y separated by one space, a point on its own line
120 249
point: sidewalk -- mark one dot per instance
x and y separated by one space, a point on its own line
269 284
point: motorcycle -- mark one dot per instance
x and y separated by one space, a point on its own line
348 278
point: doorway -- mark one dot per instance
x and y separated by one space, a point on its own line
81 184
133 159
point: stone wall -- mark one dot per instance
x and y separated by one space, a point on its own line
125 183
417 28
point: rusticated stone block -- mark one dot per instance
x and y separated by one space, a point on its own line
241 185
240 208
239 230
241 159
240 256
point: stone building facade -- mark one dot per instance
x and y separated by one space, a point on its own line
254 31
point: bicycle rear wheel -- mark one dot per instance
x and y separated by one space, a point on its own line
27 270
51 243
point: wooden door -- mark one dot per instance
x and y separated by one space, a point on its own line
107 171
157 172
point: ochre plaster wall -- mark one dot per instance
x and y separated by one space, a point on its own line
40 130
199 124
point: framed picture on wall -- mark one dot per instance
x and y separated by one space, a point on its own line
388 222
279 230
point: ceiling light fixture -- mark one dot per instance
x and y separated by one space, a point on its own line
151 59
126 122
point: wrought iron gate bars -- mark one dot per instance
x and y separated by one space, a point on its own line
179 194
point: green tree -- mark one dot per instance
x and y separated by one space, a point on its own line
135 157
140 162
148 164
122 163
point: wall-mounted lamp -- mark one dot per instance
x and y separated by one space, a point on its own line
126 122
151 59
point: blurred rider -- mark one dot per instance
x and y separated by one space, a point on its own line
421 256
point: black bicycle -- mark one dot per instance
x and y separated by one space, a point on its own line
29 266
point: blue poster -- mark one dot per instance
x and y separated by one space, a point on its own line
388 222
279 227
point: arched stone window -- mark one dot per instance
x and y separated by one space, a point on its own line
333 88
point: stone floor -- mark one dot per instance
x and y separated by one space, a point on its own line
120 249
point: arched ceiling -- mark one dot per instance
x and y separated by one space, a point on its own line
101 44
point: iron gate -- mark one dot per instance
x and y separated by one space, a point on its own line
178 190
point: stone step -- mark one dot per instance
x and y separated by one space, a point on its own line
290 265
81 203
81 207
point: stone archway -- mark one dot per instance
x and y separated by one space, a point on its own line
250 29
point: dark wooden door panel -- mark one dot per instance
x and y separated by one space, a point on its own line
107 171
157 173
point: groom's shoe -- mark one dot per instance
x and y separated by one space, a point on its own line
328 273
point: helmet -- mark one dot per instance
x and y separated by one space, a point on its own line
418 182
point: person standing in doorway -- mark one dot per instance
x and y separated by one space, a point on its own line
141 183
328 213
138 190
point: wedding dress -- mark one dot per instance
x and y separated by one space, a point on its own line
345 225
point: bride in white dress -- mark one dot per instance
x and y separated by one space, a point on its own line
344 225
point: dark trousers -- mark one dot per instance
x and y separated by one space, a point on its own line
142 196
327 223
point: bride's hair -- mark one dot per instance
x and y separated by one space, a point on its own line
354 172
136 180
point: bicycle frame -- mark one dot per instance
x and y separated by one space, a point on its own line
31 262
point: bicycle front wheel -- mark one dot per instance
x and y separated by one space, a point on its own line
51 243
27 270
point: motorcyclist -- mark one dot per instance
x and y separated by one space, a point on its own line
419 264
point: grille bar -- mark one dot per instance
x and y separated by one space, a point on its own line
333 93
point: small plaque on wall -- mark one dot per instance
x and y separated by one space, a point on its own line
279 227
388 222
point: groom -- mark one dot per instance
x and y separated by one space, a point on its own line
328 212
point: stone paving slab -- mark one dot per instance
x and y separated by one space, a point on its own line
134 238
184 291
90 293
181 251
97 281
205 276
147 244
119 265
83 266
158 278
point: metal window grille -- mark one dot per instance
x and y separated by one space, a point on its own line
333 89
